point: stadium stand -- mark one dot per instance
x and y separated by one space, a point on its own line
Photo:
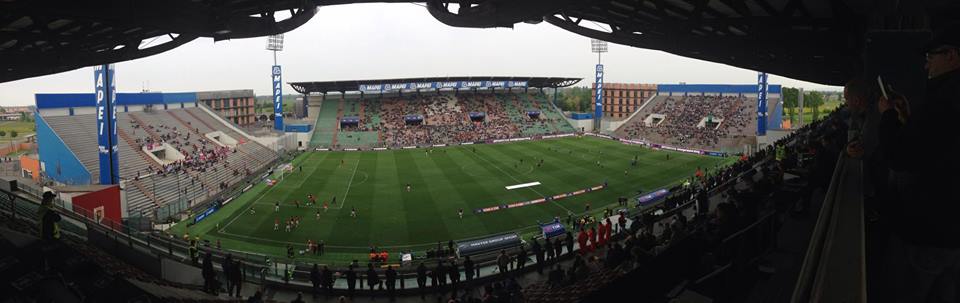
701 122
446 120
170 160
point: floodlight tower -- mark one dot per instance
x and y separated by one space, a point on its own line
275 44
599 47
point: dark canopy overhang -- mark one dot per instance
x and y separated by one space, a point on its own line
814 40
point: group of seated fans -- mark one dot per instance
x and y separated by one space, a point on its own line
200 154
446 119
723 117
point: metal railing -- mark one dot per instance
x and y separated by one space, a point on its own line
834 268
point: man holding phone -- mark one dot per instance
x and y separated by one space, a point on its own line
920 146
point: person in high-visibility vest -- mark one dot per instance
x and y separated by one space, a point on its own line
194 253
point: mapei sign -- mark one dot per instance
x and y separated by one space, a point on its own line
277 99
106 96
439 85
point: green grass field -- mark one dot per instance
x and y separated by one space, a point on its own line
442 181
22 129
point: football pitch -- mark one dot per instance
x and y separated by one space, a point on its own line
442 181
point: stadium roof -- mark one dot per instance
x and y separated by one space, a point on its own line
324 87
814 40
39 37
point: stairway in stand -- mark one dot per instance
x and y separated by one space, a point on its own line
336 127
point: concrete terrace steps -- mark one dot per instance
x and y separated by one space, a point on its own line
143 190
130 142
201 120
132 157
325 124
144 126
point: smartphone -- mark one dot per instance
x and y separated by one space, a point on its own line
883 88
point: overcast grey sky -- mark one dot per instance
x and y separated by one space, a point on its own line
370 41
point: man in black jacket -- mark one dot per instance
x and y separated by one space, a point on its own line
521 258
391 282
538 253
236 278
373 279
454 272
327 276
918 142
315 278
351 281
209 276
422 279
441 273
468 268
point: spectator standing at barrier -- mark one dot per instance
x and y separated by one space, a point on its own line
441 273
316 279
549 248
208 274
703 203
236 278
422 278
373 279
557 247
454 273
391 276
928 233
503 261
468 268
351 281
569 242
227 271
326 277
522 258
538 254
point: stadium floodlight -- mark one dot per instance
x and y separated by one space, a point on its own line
598 47
275 44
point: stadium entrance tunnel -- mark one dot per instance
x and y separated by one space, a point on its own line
478 116
653 120
413 119
163 153
710 123
223 139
